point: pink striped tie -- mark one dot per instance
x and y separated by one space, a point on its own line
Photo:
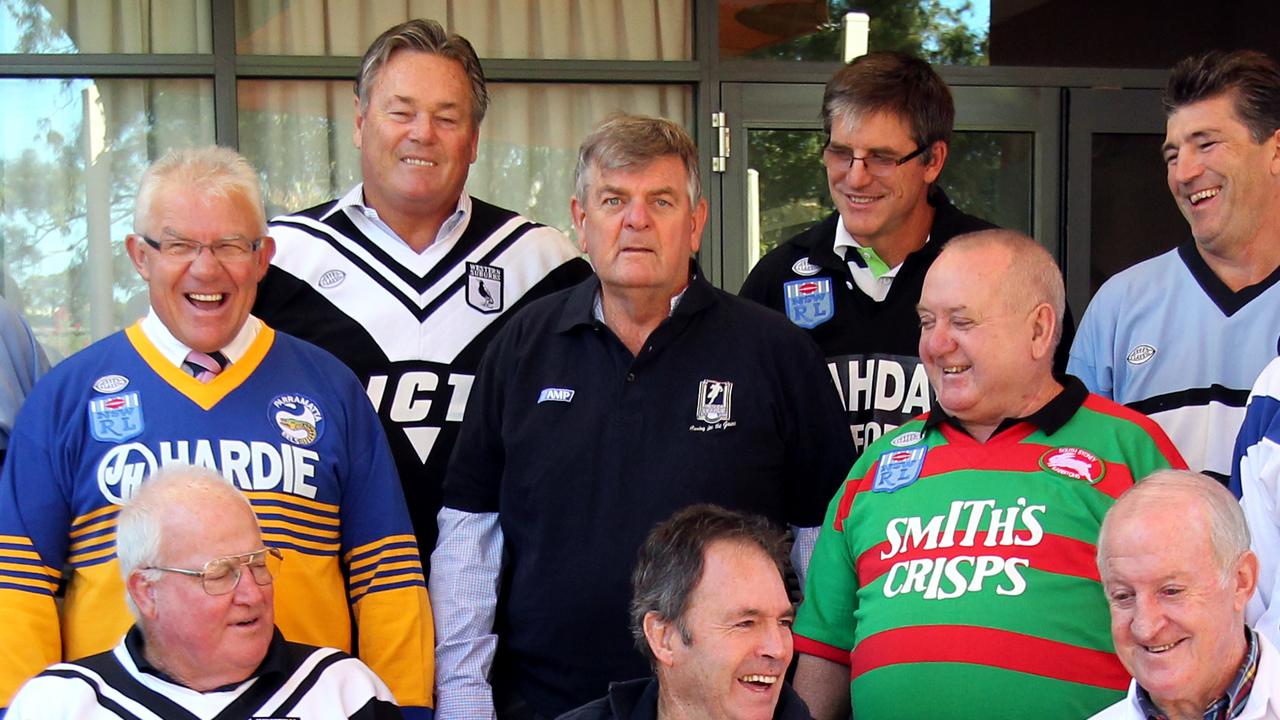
205 367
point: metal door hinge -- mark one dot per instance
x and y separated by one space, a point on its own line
721 159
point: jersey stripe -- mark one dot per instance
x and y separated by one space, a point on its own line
990 647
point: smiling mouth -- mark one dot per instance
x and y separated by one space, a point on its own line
1158 649
416 162
954 369
1199 197
759 681
206 301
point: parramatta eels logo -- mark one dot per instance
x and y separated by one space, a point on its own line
1074 462
298 417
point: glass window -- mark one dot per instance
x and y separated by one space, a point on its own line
94 26
949 32
527 29
298 134
67 178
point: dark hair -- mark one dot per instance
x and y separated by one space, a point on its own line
671 560
1251 75
425 36
895 83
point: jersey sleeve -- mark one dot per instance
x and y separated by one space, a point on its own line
35 517
386 586
1256 469
1090 356
824 624
819 447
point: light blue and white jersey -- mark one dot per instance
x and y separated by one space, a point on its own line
1167 338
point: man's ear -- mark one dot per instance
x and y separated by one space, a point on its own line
1043 326
133 246
1245 579
143 592
662 635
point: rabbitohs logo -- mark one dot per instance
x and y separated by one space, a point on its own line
1075 463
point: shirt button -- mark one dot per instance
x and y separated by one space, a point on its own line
631 377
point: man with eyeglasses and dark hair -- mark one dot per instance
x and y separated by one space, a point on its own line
852 280
198 580
200 380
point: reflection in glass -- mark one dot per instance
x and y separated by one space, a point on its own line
987 174
68 176
950 32
95 26
555 29
298 134
1132 215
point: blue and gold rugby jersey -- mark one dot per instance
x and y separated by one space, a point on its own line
288 424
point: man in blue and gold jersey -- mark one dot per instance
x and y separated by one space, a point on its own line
199 380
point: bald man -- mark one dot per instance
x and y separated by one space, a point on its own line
965 566
1175 562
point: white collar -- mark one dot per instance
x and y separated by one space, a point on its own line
175 352
353 204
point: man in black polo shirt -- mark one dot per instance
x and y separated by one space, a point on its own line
599 411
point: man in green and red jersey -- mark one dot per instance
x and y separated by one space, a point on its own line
954 575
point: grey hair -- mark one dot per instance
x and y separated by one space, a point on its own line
1033 274
139 526
1228 531
424 36
211 170
625 141
671 561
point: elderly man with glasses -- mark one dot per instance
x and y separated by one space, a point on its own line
200 380
204 644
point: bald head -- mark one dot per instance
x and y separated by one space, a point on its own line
1201 501
1029 277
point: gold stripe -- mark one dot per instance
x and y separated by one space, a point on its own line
387 567
86 557
31 583
328 548
286 525
380 543
42 569
91 516
94 527
293 500
89 542
16 540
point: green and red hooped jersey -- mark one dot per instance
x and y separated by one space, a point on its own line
958 579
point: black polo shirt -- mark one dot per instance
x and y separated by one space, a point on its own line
581 448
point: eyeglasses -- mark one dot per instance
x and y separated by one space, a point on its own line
876 164
221 575
227 251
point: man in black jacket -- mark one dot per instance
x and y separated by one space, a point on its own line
710 611
853 280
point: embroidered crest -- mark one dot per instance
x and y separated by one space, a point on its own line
1073 462
1140 354
804 267
897 469
809 302
298 417
115 418
714 401
108 384
484 287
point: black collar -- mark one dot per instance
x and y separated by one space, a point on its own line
1049 418
275 662
1227 301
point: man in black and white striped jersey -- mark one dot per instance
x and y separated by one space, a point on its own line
198 581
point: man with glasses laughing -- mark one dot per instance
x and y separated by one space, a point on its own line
204 644
852 280
200 380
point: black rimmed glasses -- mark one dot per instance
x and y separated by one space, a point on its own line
227 251
876 164
221 575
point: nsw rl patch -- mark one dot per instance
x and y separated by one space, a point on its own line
484 287
897 469
809 302
115 418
